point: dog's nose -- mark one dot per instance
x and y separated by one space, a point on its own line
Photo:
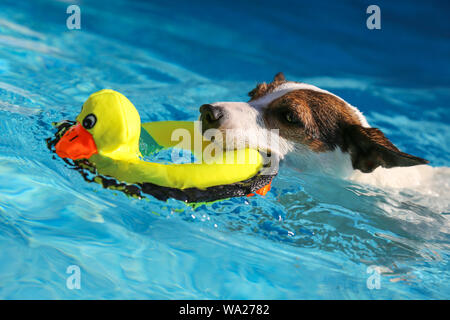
211 114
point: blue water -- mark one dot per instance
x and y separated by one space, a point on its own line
309 238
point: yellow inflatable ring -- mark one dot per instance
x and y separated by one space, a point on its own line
108 136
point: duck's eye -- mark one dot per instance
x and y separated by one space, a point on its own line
89 121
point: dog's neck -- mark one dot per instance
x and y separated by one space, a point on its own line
338 164
332 163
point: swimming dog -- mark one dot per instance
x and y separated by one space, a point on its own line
318 131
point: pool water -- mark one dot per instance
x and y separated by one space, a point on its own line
309 238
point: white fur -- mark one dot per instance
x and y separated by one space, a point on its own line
398 177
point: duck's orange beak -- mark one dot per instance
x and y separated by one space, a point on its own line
77 143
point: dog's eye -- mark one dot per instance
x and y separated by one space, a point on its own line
89 121
291 118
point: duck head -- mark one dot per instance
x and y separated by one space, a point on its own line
108 124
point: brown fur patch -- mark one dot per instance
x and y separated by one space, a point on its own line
318 115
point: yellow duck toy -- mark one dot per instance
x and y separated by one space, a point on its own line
108 134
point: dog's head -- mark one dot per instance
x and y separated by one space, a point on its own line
304 116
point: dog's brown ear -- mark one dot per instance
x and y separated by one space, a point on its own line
279 77
263 88
369 149
259 91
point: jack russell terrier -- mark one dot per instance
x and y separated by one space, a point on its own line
318 133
